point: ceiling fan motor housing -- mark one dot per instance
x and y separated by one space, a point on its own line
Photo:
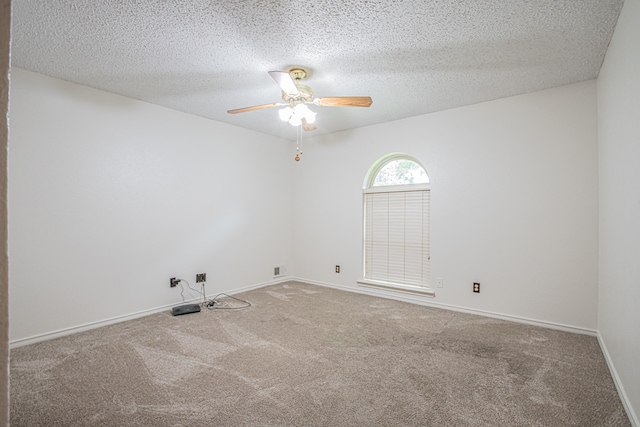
305 94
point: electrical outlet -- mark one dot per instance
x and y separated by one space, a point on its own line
337 269
173 282
476 287
202 277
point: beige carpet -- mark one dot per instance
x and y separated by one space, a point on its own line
305 355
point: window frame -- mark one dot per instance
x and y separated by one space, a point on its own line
368 188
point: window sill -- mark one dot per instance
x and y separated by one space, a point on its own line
410 289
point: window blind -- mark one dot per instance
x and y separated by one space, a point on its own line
396 237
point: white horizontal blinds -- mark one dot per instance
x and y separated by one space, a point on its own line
397 237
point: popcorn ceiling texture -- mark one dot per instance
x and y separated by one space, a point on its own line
412 57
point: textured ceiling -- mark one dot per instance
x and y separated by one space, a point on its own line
411 56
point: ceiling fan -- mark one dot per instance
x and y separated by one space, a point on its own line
296 95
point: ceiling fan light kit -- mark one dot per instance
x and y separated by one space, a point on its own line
297 114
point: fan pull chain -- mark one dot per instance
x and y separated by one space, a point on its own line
298 143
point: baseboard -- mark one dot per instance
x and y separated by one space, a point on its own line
415 299
633 418
428 301
117 319
366 291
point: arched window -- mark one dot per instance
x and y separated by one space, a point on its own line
396 224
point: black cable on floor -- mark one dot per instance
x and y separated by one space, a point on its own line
213 304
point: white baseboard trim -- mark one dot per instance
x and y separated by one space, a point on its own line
117 319
428 301
633 418
411 298
406 297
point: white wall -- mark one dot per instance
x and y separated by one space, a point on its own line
110 197
514 203
619 156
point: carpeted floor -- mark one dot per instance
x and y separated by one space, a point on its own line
305 355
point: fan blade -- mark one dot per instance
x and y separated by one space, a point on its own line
284 80
344 101
255 107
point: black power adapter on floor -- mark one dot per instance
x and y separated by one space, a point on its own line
185 309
